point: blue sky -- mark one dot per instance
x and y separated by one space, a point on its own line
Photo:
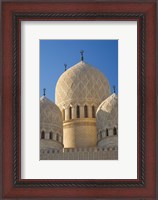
102 54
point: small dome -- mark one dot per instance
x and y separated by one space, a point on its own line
51 127
50 116
82 83
107 113
107 122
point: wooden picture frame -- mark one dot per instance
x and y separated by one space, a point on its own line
144 187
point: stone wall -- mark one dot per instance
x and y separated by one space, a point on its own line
80 133
80 154
108 141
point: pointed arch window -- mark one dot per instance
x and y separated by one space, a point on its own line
85 111
107 132
51 135
78 111
70 113
115 131
93 112
42 135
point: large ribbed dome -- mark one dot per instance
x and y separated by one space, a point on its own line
82 83
50 116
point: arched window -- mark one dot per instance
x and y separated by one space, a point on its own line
93 112
50 135
115 131
85 111
42 135
63 112
70 113
78 111
107 132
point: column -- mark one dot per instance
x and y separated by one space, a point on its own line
73 112
81 111
110 131
89 111
66 114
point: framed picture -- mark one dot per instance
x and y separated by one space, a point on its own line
79 117
79 100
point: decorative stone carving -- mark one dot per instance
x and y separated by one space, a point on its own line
50 115
82 84
107 113
107 121
50 123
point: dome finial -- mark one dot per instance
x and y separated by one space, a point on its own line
114 88
65 66
44 91
81 52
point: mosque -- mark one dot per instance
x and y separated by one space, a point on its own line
82 124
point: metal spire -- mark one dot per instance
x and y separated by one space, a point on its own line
44 91
65 66
114 88
81 52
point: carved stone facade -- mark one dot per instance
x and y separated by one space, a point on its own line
84 119
107 122
79 91
81 84
94 153
80 133
51 125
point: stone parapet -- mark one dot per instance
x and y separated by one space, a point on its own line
93 153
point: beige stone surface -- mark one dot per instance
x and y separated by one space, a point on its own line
50 123
107 120
47 143
108 141
80 133
80 84
79 154
83 138
50 116
107 113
